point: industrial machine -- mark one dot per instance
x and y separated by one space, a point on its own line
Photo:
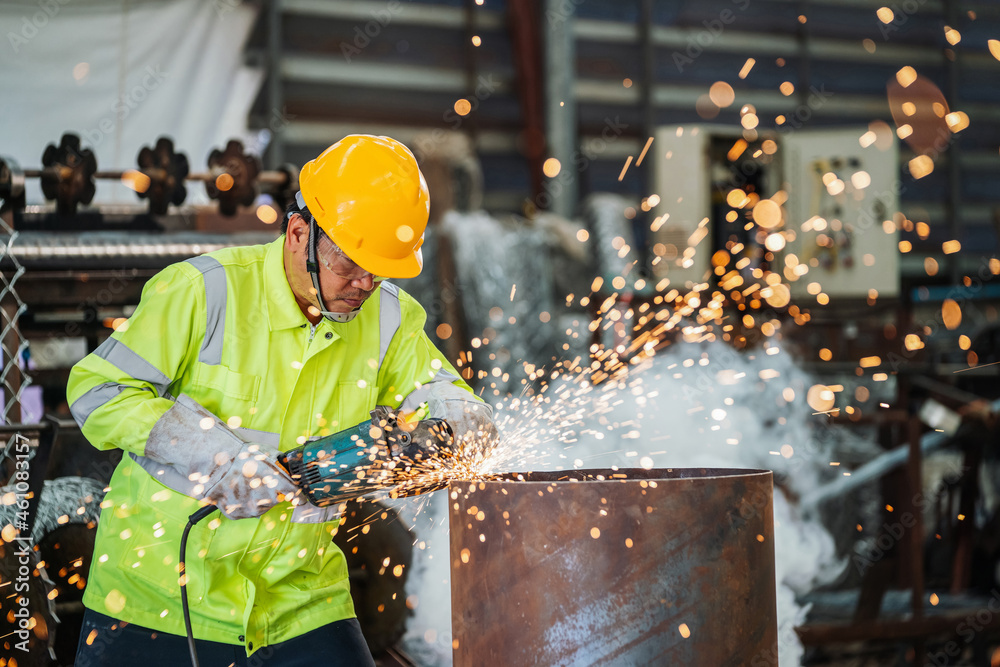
234 178
821 198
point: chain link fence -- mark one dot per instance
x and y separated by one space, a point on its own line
14 379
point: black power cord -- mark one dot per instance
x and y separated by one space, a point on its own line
192 520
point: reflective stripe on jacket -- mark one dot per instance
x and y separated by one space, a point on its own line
224 328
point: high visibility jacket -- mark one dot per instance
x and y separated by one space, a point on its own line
224 328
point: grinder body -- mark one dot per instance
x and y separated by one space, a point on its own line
365 458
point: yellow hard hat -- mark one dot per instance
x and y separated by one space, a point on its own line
370 198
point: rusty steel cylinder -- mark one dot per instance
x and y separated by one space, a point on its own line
614 567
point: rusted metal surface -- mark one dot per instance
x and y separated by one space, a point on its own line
614 567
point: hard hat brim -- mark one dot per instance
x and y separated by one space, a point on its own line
406 267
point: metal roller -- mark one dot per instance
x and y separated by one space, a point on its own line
11 184
68 174
624 567
234 177
166 171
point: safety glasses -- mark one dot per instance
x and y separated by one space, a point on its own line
339 264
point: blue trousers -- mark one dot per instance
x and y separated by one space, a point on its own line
338 644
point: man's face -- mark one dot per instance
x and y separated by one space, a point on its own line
345 285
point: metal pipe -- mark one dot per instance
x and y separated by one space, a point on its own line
275 91
560 101
877 467
272 177
471 71
953 196
639 227
523 18
51 423
628 566
804 38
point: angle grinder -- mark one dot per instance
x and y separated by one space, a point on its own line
367 457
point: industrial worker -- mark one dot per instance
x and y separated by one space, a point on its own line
229 359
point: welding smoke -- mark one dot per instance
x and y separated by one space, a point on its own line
692 405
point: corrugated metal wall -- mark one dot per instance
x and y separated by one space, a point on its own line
398 67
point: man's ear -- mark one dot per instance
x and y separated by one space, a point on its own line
297 234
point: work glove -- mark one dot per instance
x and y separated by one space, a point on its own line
252 483
470 419
192 452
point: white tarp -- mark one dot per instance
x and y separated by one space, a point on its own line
121 73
